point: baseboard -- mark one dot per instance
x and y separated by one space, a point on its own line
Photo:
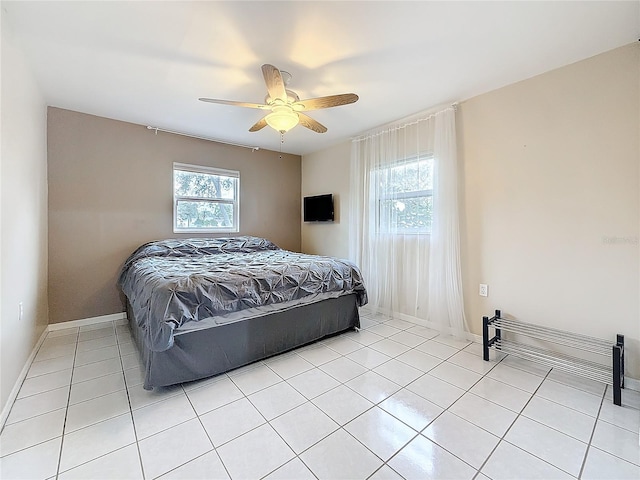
87 321
6 409
630 383
425 323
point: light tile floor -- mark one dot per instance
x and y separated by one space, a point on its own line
394 400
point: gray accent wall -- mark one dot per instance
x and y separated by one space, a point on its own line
110 190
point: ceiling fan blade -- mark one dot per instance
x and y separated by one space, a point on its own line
259 125
275 84
235 104
311 124
326 102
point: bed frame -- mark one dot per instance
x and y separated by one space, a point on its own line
211 351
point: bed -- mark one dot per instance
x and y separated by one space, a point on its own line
201 307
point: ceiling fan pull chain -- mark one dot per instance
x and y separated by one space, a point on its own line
281 143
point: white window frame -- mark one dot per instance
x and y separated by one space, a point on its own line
384 228
235 202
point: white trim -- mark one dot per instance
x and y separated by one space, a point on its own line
425 323
204 230
220 172
212 171
87 321
629 383
23 374
52 327
632 384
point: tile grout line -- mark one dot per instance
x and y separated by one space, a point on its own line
246 397
28 396
593 431
401 387
419 433
545 398
186 394
465 420
310 400
520 413
66 413
452 413
126 389
442 361
340 383
101 421
268 422
615 426
502 438
341 427
551 428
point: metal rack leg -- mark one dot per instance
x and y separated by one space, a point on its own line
617 363
620 342
617 351
485 338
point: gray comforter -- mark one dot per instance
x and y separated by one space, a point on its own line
171 282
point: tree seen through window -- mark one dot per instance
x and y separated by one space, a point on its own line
205 201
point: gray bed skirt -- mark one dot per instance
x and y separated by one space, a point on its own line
211 351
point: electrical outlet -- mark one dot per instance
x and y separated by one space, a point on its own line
484 290
21 309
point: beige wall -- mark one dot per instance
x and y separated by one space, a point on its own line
23 220
110 190
551 207
552 199
327 171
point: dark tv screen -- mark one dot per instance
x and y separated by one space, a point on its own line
318 208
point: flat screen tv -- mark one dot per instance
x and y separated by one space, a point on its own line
318 208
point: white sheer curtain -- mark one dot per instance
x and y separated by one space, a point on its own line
404 233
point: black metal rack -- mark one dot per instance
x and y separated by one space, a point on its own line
613 375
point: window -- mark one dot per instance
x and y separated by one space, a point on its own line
404 196
205 199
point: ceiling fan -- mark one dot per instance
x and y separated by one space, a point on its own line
285 105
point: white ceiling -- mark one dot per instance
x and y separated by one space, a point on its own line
148 62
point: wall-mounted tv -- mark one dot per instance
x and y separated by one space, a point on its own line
318 208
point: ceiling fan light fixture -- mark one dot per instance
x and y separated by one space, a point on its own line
287 110
282 118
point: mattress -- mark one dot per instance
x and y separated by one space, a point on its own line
173 284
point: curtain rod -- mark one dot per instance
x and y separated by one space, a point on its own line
410 120
158 129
